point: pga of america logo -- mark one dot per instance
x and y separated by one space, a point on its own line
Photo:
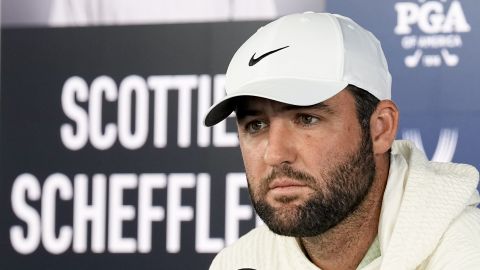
431 31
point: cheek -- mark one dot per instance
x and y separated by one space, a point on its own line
341 136
255 167
252 158
316 159
320 152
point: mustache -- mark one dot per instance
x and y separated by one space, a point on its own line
287 171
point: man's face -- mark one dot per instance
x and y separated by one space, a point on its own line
307 167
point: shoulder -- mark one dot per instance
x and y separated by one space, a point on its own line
459 247
257 238
262 249
245 250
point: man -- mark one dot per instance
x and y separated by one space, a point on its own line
316 127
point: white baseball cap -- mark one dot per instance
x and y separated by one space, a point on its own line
304 59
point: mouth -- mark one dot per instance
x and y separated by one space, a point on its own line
286 187
285 183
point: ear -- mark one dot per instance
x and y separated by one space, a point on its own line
383 126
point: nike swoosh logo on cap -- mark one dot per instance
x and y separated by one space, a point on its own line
253 61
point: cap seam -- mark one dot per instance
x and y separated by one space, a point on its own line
339 34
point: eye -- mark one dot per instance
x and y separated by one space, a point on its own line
255 126
306 119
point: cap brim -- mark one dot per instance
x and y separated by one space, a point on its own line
294 91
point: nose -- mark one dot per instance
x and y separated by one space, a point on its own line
280 147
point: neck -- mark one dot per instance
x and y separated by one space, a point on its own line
345 245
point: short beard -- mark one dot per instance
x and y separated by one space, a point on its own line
345 188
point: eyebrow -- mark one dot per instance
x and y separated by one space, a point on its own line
319 106
244 112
